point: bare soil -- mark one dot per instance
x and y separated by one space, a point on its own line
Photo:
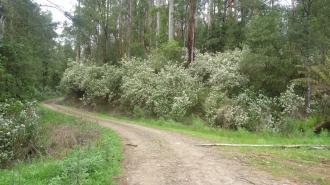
158 157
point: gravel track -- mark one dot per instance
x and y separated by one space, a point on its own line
158 157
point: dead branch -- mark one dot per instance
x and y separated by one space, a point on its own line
267 145
133 145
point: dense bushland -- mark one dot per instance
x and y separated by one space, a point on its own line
78 152
213 87
31 61
19 131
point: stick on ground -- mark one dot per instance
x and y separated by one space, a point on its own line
267 145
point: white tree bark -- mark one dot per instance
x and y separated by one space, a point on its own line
2 27
293 4
170 20
129 29
210 14
158 19
78 46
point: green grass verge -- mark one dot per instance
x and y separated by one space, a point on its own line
280 162
198 128
96 163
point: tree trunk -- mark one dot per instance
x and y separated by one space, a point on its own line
225 7
236 9
2 27
106 31
191 32
293 4
272 3
158 22
210 15
120 31
150 23
185 25
129 29
170 20
78 47
308 62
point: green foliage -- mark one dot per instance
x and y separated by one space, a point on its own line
220 75
201 129
302 125
168 53
175 93
171 93
72 78
220 71
172 51
261 111
268 64
138 83
255 112
92 83
30 61
96 163
18 131
84 167
211 87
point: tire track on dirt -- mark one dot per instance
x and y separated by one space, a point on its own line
167 158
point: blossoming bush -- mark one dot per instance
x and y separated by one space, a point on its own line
72 78
247 110
18 130
260 110
220 75
291 103
170 93
257 112
175 92
92 83
232 116
138 84
212 87
212 103
219 70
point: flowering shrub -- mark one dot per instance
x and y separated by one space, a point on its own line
170 93
18 130
92 82
220 73
220 70
72 78
138 83
258 112
215 99
175 92
160 87
291 103
232 116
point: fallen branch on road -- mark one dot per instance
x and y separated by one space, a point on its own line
268 145
129 144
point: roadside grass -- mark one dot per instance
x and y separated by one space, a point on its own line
300 164
94 161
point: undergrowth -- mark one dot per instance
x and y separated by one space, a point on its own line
94 163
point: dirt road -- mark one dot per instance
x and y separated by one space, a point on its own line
167 158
